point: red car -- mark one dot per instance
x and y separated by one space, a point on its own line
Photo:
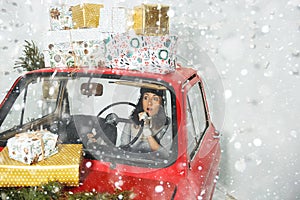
74 102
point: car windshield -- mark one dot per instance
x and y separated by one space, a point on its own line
95 110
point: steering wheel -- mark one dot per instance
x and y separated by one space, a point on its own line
113 118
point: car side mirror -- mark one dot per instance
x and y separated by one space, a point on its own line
91 89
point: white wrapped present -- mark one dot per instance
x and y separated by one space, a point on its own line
155 54
115 19
60 18
59 55
77 53
32 147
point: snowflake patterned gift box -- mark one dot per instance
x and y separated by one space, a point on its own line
154 54
63 167
32 147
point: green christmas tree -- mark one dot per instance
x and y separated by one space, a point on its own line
32 58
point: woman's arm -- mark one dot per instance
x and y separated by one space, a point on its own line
126 134
165 142
153 143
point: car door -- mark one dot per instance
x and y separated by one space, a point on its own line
202 145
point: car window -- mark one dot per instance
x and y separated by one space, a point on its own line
196 118
40 100
13 118
92 105
37 100
63 105
112 93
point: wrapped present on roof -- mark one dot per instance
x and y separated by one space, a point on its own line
77 53
155 54
151 19
86 15
60 18
114 19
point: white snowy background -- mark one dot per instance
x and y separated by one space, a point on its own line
249 54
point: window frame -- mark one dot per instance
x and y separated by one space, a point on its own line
193 151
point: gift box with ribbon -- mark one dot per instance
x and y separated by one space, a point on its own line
151 19
86 15
60 18
63 167
155 54
77 53
32 147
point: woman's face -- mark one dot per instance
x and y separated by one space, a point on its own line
151 103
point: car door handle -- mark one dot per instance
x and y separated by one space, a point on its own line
217 135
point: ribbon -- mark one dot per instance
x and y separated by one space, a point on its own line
34 136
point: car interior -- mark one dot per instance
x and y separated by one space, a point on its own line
76 108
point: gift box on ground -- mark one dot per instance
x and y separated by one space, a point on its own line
151 19
62 167
32 147
86 15
155 54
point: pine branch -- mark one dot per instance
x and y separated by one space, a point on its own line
32 58
55 191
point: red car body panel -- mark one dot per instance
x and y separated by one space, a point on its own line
187 178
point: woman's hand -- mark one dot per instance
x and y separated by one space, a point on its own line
147 131
143 116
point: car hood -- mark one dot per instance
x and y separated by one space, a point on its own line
142 188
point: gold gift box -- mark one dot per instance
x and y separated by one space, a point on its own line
151 19
62 167
86 15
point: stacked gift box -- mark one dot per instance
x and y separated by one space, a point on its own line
145 19
60 18
86 15
115 19
155 54
32 147
146 47
34 158
64 17
151 19
77 53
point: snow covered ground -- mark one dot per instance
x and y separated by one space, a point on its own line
249 53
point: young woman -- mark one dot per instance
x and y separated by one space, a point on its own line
151 129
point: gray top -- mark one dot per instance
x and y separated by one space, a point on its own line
163 136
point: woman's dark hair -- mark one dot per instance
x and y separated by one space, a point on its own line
160 118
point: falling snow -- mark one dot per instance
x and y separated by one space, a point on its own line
159 188
249 54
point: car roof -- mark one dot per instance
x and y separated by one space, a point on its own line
181 74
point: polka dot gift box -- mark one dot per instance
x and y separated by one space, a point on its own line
155 54
62 167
